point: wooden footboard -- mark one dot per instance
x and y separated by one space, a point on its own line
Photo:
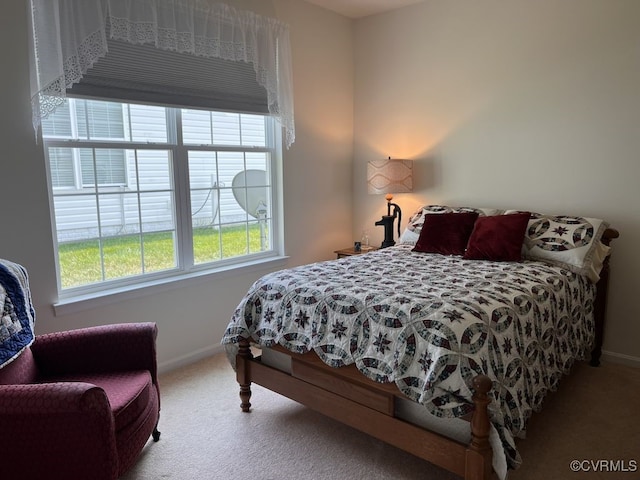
346 395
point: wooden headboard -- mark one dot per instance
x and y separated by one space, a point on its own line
600 306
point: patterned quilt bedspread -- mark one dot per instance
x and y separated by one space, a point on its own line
17 316
430 323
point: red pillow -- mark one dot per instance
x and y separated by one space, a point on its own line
498 238
445 233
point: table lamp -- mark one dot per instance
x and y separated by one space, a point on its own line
389 177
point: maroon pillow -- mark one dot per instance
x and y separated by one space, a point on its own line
445 233
498 238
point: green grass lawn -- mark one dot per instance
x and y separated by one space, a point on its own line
123 256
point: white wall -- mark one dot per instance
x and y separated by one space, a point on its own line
317 169
506 104
191 317
528 105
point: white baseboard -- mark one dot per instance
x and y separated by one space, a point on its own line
620 358
189 358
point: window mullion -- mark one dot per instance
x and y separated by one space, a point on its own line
98 215
274 141
246 196
77 165
140 219
220 246
180 159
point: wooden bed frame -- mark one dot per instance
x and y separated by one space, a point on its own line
346 395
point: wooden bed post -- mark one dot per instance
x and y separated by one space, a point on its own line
479 458
599 311
600 305
243 373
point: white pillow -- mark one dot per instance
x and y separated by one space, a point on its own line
569 241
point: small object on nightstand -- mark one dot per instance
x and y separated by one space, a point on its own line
357 246
365 247
347 252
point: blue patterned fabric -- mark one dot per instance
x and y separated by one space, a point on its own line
17 316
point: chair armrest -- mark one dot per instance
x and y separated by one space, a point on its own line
61 429
51 399
107 348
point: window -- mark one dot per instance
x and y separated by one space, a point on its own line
144 191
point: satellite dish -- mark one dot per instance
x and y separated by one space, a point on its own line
250 192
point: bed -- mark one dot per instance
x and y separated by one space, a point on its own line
442 345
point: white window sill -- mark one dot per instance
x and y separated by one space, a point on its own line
79 303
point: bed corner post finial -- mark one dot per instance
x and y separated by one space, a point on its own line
479 455
243 373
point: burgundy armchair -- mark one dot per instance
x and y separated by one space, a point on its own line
79 404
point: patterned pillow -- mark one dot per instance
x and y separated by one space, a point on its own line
411 233
569 241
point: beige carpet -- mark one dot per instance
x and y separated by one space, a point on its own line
593 416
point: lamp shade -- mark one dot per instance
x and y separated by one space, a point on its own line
389 176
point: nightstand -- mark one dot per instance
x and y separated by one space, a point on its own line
347 252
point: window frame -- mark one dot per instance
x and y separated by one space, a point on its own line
185 267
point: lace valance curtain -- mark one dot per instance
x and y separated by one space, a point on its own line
69 36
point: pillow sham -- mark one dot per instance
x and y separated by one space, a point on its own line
445 233
411 233
498 238
569 241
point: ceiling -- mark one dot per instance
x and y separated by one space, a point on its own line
362 8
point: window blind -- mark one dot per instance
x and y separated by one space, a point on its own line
61 160
144 73
109 167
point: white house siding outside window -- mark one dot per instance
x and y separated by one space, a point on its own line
140 192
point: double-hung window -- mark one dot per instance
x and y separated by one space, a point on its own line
143 192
